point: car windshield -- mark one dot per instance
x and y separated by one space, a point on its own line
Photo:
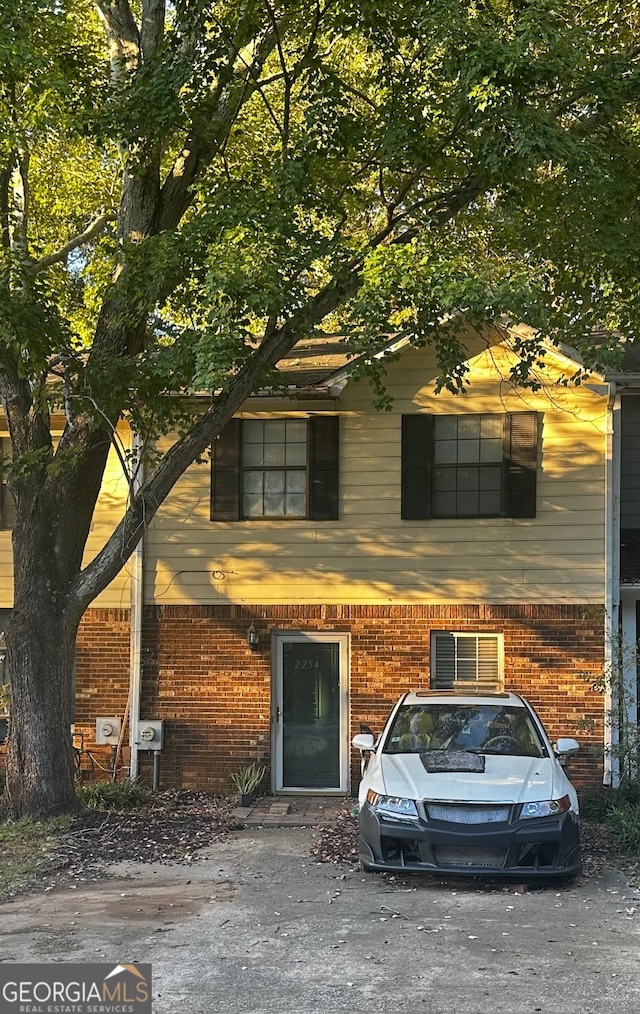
477 728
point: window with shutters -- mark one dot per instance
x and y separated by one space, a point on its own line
470 662
276 468
7 506
469 466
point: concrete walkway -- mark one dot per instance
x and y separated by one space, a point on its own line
294 811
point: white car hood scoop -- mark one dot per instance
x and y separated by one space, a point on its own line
452 760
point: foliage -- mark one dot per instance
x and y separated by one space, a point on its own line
624 823
24 848
617 809
122 795
185 195
617 684
247 778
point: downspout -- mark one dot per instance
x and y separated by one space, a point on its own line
612 584
137 601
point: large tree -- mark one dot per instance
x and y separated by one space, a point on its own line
186 191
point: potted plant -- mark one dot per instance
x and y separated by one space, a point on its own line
246 780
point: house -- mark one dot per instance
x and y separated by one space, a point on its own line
332 556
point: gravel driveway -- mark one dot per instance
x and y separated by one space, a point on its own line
255 925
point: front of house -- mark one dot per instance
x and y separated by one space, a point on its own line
332 557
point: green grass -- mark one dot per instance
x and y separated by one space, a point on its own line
25 846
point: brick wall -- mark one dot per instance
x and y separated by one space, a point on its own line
214 693
102 685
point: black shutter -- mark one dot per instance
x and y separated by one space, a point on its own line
324 436
417 459
520 464
225 473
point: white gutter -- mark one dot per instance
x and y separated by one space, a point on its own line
612 583
136 570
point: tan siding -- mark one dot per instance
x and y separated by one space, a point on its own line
371 555
6 571
108 512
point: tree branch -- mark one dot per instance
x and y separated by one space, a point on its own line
276 343
123 38
19 204
152 30
210 130
60 255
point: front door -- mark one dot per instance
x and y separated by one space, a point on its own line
310 713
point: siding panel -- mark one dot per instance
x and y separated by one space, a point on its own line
372 555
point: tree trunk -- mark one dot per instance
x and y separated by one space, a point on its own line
52 520
39 761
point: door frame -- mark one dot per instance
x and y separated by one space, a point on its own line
278 639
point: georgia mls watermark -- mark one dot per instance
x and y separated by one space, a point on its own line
75 989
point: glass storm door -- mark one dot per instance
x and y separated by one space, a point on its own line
310 712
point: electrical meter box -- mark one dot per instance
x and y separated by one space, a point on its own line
107 731
150 735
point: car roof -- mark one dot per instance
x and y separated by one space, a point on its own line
447 696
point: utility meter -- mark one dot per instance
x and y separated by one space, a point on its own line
107 731
150 735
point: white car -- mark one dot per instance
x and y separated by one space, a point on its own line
467 784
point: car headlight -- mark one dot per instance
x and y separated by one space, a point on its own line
392 806
545 807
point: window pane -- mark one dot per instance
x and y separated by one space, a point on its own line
465 657
468 479
252 482
274 482
296 430
446 452
296 454
274 462
491 478
253 454
469 427
491 450
296 482
296 504
274 454
445 480
445 504
252 506
467 503
446 427
274 431
491 427
469 450
274 505
252 431
490 503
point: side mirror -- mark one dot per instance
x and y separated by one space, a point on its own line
364 741
566 746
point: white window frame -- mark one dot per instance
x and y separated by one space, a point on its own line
475 685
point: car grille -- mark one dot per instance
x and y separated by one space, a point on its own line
467 813
453 855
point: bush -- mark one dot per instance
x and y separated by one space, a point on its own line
618 810
114 795
596 804
623 821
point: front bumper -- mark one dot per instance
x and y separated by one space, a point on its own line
532 848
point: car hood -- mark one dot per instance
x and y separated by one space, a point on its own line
505 779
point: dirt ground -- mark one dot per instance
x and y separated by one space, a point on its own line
256 924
